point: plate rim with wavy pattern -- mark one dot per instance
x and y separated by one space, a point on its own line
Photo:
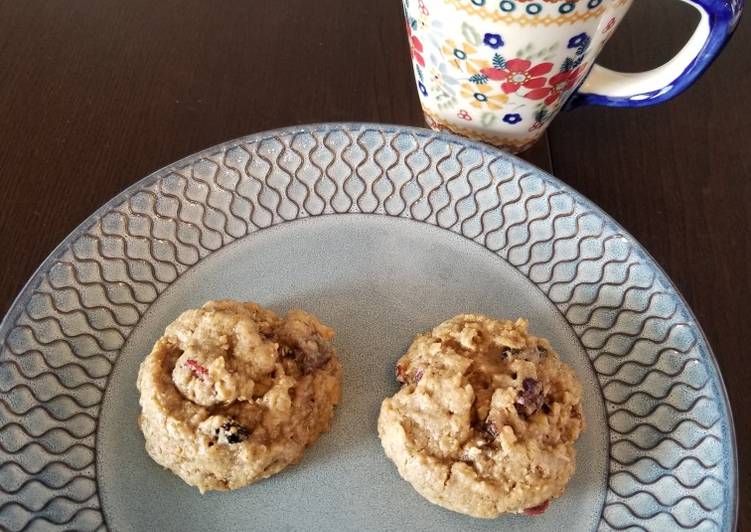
48 338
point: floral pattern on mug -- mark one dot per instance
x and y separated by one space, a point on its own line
415 46
475 70
462 55
517 73
487 79
557 86
493 40
483 96
512 118
442 83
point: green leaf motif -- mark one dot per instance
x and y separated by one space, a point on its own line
541 115
479 79
547 53
568 64
420 74
470 34
445 100
499 62
488 119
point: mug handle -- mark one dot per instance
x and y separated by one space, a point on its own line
618 89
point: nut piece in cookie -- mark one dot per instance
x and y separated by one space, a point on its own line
232 393
486 418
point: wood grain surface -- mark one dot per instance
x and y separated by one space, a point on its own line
95 95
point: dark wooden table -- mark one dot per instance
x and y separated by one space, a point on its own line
96 94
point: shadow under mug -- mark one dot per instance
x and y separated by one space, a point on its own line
499 70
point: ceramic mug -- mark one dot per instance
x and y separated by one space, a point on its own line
499 70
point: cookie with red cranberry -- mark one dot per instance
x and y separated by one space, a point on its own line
486 418
232 393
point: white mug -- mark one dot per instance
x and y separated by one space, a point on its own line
499 70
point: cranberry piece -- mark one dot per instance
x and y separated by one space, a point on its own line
403 377
537 510
196 368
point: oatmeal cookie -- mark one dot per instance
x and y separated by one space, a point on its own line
232 394
486 419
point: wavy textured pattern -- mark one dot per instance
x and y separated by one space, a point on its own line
671 455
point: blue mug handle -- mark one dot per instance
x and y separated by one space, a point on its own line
617 89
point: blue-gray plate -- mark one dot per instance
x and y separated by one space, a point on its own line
382 231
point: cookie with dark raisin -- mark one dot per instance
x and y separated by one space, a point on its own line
486 418
233 393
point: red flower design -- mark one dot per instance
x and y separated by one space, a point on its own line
557 85
519 73
415 46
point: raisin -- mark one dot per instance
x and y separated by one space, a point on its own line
310 354
400 374
418 375
237 437
233 432
545 408
531 385
530 398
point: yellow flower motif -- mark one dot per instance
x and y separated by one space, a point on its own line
479 65
460 55
483 96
